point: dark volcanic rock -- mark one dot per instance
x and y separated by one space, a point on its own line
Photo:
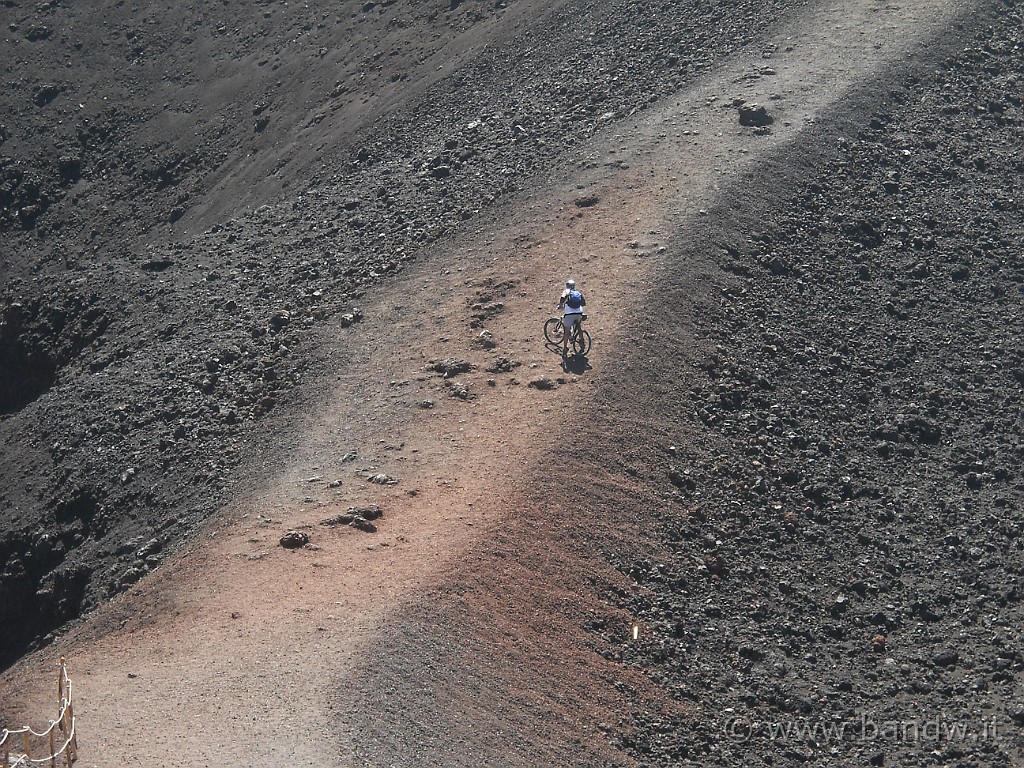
450 367
839 538
358 517
44 94
755 115
855 507
294 540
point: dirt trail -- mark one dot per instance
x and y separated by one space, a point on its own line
231 653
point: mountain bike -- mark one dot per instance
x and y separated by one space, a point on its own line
554 330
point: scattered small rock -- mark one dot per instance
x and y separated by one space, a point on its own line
459 389
350 318
502 365
45 94
682 479
357 517
450 367
368 512
485 340
361 523
280 319
294 540
38 32
157 264
755 115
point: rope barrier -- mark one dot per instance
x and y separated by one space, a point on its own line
65 723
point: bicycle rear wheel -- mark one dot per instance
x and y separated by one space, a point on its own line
554 330
581 342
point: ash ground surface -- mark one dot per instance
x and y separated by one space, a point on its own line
827 434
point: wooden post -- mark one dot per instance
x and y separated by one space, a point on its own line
71 725
27 745
67 753
7 756
53 747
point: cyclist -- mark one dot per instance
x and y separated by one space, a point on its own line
571 302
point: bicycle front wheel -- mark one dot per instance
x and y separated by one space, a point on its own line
554 330
581 342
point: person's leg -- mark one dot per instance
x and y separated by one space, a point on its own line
566 333
570 330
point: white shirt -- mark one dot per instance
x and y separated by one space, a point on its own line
566 309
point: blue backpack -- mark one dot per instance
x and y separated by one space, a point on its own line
574 300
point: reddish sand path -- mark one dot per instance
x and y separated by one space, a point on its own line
230 653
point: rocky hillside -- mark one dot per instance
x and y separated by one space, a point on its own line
181 214
842 571
828 440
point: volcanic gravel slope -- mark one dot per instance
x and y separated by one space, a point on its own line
831 492
180 215
842 570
